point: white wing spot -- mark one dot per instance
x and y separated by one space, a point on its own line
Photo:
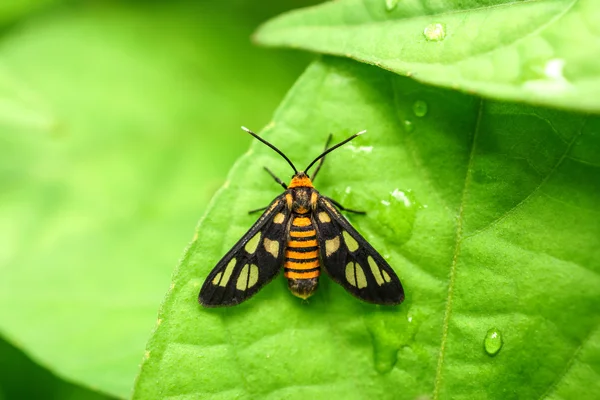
253 277
361 279
386 277
350 274
243 278
252 244
332 245
355 275
351 243
279 218
226 273
272 247
375 270
216 279
324 217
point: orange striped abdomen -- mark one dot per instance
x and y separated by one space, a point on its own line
302 267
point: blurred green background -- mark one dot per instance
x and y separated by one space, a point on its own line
118 122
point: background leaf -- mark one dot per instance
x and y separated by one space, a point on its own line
23 379
113 121
540 52
487 211
12 10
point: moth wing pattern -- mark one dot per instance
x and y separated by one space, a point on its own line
351 261
252 262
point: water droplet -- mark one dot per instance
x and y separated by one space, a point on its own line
391 4
545 76
383 329
391 330
420 108
408 125
492 342
435 32
554 69
394 215
391 216
402 196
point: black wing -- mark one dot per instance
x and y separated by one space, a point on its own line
252 262
351 261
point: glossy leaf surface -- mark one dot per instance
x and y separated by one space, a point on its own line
488 213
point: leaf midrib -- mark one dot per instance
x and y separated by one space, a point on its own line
458 241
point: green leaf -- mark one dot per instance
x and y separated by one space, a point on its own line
21 378
112 123
539 52
486 210
12 10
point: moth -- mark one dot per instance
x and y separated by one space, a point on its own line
304 232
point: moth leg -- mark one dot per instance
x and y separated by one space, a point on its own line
314 175
276 180
341 207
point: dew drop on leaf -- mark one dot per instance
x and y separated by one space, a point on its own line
391 4
391 330
545 76
408 125
395 215
435 32
385 343
492 342
391 213
420 108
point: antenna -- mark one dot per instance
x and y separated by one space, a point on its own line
271 146
323 154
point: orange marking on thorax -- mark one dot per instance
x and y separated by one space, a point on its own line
300 182
302 234
308 243
313 199
301 210
302 275
301 221
301 256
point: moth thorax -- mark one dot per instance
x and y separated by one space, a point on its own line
303 288
301 203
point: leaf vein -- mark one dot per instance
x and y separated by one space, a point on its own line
535 190
458 240
552 388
